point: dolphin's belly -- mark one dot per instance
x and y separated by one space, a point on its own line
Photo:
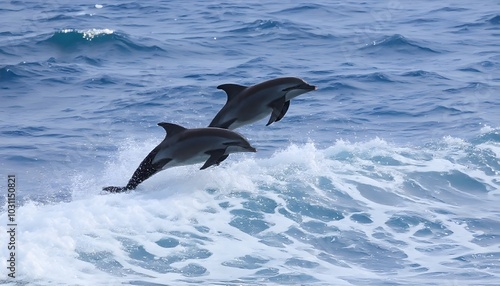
188 152
251 116
251 110
200 158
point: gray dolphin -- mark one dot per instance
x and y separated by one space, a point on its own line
183 146
247 104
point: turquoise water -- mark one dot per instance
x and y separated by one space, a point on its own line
388 174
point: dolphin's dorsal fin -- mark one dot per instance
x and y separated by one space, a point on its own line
232 89
171 128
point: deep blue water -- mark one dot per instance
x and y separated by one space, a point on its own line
388 174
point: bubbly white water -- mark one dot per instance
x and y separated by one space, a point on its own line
366 212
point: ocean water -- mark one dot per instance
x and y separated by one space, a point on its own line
388 174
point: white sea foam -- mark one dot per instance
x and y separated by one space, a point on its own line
90 33
268 220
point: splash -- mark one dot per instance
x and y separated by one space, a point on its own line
294 217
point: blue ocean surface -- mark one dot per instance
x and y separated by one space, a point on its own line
388 174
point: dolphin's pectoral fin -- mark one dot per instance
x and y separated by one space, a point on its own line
283 111
232 89
278 107
216 156
161 163
224 157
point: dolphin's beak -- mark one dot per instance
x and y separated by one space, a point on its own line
303 86
251 149
308 87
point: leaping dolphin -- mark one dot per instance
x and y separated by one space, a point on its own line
247 104
183 146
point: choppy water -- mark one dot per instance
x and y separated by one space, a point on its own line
388 174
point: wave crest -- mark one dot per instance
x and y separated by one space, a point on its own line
399 44
72 39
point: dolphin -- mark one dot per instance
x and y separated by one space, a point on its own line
247 104
183 146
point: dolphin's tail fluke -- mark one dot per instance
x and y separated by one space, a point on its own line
116 189
132 184
145 170
139 176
